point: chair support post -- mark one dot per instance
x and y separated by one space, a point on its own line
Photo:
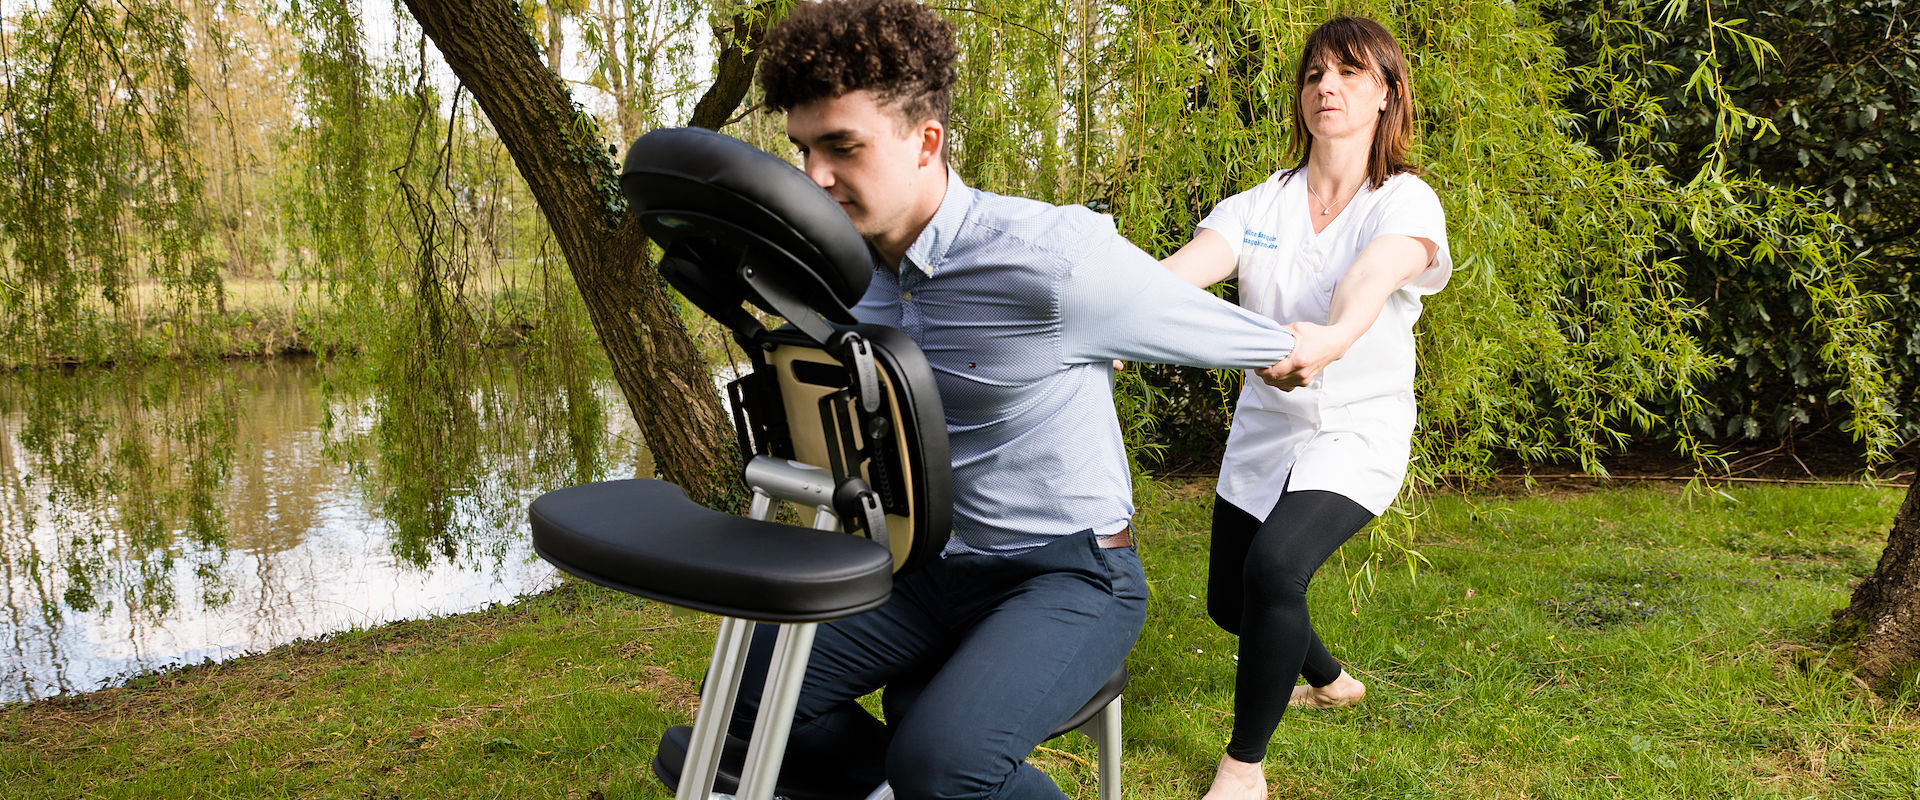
775 720
1109 747
761 507
716 708
729 662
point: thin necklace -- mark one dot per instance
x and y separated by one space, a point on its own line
1325 209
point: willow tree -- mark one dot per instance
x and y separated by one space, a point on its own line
559 151
94 148
641 52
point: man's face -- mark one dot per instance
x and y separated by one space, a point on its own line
857 150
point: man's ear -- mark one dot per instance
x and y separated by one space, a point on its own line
933 139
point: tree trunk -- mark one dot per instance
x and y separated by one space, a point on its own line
1883 621
559 152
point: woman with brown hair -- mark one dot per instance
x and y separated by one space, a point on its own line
1342 246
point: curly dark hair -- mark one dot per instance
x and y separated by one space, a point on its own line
899 50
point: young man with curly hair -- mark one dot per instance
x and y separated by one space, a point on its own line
1021 307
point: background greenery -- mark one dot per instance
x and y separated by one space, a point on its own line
1634 259
1840 94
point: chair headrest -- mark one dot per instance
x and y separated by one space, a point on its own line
740 225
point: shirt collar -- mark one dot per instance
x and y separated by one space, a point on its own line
929 251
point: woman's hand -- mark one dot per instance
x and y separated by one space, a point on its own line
1382 268
1314 347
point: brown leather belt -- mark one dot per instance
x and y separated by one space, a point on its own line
1120 538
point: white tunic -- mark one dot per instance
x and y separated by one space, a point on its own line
1349 431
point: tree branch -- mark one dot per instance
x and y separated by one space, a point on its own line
733 74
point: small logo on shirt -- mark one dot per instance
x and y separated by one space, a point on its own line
1258 239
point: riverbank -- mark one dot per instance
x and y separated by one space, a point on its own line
1641 641
268 317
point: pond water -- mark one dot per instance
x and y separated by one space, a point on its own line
170 515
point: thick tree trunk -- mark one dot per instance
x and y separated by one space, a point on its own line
558 150
1884 619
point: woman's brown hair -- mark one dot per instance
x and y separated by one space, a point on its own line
1362 44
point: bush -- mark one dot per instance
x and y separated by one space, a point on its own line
1839 93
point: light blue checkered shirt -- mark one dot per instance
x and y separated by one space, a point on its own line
1021 307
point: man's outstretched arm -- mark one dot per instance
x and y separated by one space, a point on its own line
1120 303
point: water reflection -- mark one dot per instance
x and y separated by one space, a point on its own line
168 514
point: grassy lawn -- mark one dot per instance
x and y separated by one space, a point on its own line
1635 643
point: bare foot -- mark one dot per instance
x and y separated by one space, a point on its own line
1344 691
1237 780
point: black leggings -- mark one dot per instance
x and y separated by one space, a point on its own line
1257 589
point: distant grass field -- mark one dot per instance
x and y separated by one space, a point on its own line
1618 643
265 317
252 317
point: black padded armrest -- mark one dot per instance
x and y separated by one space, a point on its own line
647 538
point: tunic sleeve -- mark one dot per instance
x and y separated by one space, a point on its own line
1413 209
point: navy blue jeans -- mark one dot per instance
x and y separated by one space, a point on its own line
981 657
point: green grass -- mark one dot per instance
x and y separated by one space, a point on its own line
1632 643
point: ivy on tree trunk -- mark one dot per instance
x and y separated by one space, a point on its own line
558 150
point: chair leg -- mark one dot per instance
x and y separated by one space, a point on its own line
775 720
716 706
1109 746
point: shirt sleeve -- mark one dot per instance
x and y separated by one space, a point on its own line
1118 302
1414 210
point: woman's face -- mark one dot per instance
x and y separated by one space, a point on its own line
1342 101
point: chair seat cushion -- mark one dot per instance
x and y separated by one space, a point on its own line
647 538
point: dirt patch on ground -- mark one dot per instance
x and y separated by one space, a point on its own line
675 694
1810 461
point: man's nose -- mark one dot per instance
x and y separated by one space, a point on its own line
822 176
